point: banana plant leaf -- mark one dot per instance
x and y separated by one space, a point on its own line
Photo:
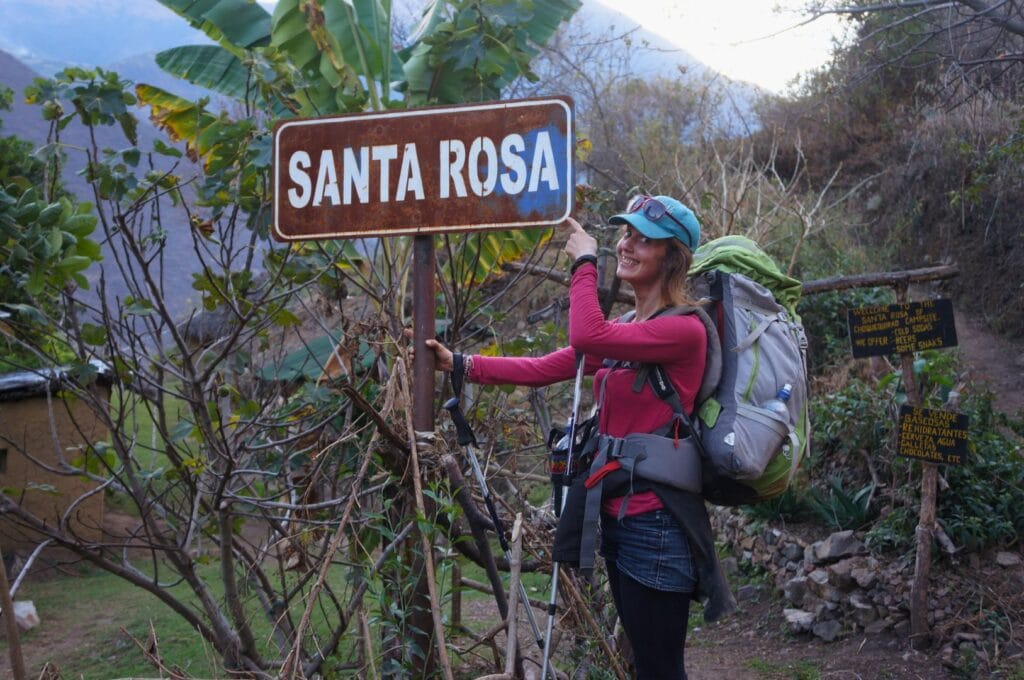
480 255
237 25
339 50
209 66
458 70
547 16
181 119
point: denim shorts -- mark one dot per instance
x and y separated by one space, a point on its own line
650 548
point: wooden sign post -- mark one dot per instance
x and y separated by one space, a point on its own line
933 437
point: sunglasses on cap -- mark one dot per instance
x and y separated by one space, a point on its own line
652 209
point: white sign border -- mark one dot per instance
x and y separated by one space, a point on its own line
403 113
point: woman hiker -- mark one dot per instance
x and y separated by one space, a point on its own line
656 539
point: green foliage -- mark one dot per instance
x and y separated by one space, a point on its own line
790 506
583 656
842 509
983 507
19 170
468 50
894 532
935 376
97 96
45 247
853 418
825 319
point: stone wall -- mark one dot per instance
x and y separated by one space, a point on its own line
831 587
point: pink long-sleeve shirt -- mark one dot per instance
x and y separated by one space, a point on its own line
678 343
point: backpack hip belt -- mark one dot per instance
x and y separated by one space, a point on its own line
675 462
650 457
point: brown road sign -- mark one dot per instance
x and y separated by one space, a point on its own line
903 327
932 435
472 167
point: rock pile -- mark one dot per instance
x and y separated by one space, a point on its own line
831 587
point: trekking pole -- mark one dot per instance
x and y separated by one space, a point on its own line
467 440
559 507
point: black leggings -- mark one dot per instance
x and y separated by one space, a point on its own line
655 621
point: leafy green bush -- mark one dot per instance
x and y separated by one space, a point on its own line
850 419
936 373
790 506
842 509
824 319
894 532
983 506
985 502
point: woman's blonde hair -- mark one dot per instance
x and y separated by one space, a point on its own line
675 287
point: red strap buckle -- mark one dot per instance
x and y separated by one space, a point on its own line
601 473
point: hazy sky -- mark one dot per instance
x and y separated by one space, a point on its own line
731 36
744 39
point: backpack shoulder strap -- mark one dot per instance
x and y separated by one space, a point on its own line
713 360
663 387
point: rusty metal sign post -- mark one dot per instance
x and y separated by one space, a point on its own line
421 172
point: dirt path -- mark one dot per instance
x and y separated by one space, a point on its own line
994 359
753 645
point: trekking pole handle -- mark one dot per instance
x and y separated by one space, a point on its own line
466 439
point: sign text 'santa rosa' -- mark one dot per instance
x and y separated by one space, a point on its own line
456 168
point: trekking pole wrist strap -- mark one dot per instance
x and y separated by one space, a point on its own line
462 429
458 373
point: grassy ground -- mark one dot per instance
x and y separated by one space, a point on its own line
89 620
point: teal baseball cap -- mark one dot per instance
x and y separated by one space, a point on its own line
661 217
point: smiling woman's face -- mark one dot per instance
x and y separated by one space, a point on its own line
640 258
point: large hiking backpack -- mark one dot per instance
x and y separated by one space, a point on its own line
756 345
751 454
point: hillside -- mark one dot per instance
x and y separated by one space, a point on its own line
24 121
124 36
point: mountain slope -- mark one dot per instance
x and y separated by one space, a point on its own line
42 33
25 121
